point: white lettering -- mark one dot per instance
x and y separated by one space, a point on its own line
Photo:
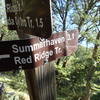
43 55
14 7
15 48
29 21
36 56
58 50
36 46
19 60
10 21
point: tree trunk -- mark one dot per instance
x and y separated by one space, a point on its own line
88 92
0 96
85 98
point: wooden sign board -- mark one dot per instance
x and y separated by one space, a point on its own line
36 51
32 16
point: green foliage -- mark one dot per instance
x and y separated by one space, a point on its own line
14 85
7 34
96 96
71 80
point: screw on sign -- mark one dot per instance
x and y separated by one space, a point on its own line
32 16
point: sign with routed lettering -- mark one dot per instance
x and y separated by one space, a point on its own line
32 16
36 51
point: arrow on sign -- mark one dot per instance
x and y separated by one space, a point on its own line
4 56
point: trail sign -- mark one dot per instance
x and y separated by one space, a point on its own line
36 51
33 17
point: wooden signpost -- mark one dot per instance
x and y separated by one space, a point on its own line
33 17
34 54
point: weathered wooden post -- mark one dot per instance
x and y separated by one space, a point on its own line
45 83
41 83
41 80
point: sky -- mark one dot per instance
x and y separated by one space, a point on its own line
2 11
